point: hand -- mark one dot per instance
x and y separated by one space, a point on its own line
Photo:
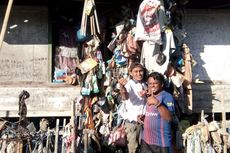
151 100
148 93
142 93
122 81
140 118
123 93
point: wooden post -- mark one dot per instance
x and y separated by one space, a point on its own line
5 22
188 77
202 115
62 145
20 146
74 127
224 123
47 139
29 144
56 137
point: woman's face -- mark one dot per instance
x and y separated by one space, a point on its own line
137 73
154 85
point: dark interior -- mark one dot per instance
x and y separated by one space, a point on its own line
192 4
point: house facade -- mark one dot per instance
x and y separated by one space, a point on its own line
27 57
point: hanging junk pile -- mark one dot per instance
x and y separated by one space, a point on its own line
206 137
150 40
153 39
159 26
17 139
68 57
21 136
96 113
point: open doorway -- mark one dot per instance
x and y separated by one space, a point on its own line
65 21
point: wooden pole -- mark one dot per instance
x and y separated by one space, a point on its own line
84 20
74 127
30 148
96 18
20 146
47 139
224 123
188 77
5 22
62 146
56 137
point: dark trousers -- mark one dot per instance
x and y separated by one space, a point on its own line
147 148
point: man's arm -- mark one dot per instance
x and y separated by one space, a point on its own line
123 91
164 112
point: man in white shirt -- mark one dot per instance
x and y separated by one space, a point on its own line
133 95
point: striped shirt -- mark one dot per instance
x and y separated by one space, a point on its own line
157 131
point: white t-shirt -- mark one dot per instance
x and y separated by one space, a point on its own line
135 104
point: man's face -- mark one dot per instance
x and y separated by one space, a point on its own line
137 73
154 85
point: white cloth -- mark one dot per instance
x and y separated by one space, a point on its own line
135 104
150 51
148 27
69 52
168 43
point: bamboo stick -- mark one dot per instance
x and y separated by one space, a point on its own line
96 18
85 26
94 28
91 25
83 20
5 22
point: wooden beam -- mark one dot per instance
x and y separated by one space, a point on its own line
5 22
